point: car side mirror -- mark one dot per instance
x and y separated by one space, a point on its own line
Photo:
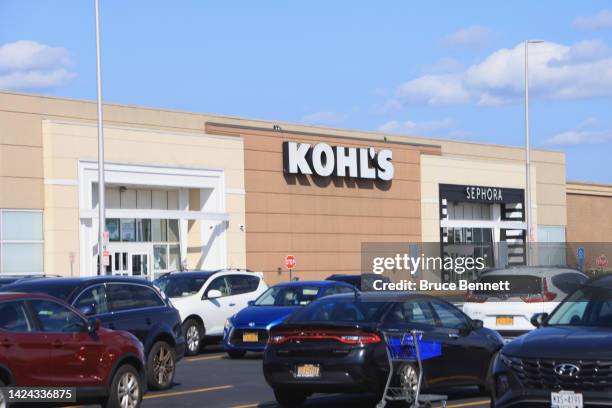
214 294
539 319
251 303
88 310
94 326
476 324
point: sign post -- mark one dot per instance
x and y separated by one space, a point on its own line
290 264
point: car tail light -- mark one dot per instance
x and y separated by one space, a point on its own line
342 337
474 298
545 296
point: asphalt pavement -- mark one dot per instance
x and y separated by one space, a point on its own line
212 380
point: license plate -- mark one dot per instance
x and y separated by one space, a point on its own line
504 320
566 399
250 337
308 371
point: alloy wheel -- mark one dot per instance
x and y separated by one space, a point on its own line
409 380
163 365
193 338
128 391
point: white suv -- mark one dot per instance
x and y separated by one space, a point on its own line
532 290
206 299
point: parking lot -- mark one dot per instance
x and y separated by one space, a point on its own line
212 380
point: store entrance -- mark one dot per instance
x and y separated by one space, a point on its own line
126 262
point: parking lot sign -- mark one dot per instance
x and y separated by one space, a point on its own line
290 261
580 258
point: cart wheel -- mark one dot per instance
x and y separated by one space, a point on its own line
409 380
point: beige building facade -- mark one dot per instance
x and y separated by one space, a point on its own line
198 191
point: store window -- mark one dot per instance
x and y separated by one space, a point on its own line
21 242
142 230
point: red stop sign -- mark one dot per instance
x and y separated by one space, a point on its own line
290 261
601 261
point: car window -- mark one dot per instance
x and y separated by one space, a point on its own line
589 306
568 282
332 290
448 316
13 317
417 313
219 284
344 289
57 318
243 284
93 301
288 296
126 297
339 310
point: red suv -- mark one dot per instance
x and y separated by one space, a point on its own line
46 343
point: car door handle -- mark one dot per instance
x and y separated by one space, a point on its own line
7 343
453 336
232 304
58 344
148 320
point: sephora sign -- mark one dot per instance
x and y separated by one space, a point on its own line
325 160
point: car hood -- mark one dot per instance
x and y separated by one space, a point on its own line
263 315
563 342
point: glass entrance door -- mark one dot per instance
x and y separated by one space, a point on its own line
139 264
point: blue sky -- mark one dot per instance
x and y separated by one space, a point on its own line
442 69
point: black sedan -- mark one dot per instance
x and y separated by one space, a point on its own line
336 344
567 361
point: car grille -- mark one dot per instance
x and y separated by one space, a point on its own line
262 336
540 373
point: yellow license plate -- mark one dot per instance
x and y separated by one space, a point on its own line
250 337
504 320
308 371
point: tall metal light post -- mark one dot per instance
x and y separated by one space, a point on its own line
101 188
527 155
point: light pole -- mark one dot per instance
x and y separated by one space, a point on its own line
527 156
101 198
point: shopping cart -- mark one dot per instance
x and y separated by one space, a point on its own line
406 352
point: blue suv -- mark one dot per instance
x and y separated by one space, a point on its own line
129 304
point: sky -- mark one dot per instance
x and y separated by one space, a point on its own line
443 69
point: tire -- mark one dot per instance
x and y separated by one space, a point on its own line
409 379
289 398
3 401
235 354
194 333
161 366
125 387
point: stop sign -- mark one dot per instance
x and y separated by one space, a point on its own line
601 261
290 261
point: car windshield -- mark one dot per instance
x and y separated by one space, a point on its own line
180 286
288 296
339 311
588 306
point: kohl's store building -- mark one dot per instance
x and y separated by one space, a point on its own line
198 191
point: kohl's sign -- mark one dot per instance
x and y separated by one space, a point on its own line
325 160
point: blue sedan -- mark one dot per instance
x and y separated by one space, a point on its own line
248 329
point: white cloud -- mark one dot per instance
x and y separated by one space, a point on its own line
589 131
28 64
324 118
556 71
474 37
442 128
598 21
574 137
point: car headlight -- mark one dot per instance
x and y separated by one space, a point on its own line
228 324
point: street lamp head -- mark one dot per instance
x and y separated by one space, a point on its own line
535 41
